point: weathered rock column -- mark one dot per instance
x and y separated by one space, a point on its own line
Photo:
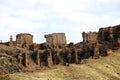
11 41
110 36
49 59
59 52
50 62
20 57
84 37
96 50
76 57
26 58
38 58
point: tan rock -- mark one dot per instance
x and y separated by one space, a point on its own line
90 37
24 40
56 39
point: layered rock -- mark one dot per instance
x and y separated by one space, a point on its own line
108 38
24 40
90 37
118 35
56 39
32 56
109 33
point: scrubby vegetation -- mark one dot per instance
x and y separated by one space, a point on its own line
104 68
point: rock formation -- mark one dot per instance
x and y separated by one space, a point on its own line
56 39
90 37
109 34
11 41
108 38
24 40
20 57
96 50
24 54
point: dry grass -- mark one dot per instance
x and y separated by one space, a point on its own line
53 74
105 68
4 76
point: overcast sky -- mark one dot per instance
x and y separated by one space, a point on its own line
72 17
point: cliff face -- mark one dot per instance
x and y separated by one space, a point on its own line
110 35
56 39
24 40
107 38
32 56
90 37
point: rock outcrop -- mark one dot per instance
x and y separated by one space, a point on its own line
108 38
23 54
111 35
11 41
24 40
56 39
90 37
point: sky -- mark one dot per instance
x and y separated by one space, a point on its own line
72 17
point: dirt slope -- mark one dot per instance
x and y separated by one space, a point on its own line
104 68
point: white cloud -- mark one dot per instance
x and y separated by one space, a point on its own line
117 21
66 6
84 18
31 14
109 1
46 16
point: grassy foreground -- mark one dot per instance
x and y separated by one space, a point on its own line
104 68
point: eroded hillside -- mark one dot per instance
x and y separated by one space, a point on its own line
23 59
104 68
